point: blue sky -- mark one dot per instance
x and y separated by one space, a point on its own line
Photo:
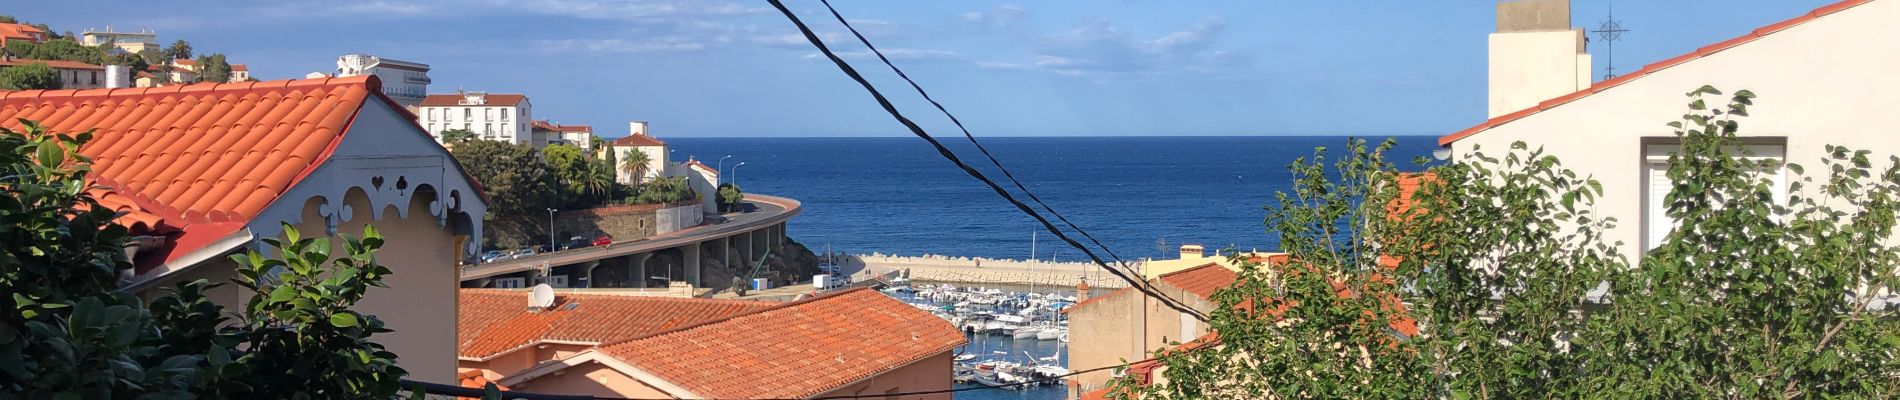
1008 68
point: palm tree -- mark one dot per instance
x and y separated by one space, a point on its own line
598 181
634 163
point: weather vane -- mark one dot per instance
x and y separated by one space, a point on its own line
1610 31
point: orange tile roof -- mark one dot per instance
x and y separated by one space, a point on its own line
638 140
493 322
701 166
202 159
479 379
21 31
240 67
1705 51
1201 281
797 350
59 64
543 124
455 100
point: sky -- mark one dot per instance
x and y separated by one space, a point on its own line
713 68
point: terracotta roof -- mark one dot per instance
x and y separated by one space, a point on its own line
491 99
492 322
1652 68
543 124
479 379
60 64
1201 281
797 350
12 31
240 67
694 163
638 140
199 159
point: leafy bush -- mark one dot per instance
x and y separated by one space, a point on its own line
729 197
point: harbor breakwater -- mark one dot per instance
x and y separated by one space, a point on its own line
978 270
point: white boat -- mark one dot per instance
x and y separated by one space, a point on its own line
965 357
1026 333
1049 333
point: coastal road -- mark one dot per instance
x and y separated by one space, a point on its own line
765 211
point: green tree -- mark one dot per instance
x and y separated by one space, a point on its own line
1502 263
729 197
178 50
300 320
56 49
457 136
8 19
634 164
512 176
663 190
30 76
213 68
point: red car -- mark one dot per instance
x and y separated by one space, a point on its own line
604 240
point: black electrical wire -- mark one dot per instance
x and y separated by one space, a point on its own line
1137 284
972 138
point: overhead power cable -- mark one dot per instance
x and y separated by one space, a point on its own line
972 138
1139 285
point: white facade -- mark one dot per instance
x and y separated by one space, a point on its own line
1535 55
496 117
1820 82
130 42
638 140
404 81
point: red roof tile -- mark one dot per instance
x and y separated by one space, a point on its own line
22 32
638 140
492 322
59 64
491 100
543 124
1201 281
797 350
1705 51
202 158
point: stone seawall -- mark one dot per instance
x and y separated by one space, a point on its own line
630 222
937 268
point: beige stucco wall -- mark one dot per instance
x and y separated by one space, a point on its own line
1528 67
593 379
1100 336
1828 81
929 374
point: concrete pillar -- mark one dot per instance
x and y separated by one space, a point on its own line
638 262
586 270
745 249
691 253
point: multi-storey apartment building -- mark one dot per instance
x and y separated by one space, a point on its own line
503 117
406 82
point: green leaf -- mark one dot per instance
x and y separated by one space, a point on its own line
343 320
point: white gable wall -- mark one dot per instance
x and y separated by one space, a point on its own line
1831 80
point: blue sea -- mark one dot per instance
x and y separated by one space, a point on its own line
1142 196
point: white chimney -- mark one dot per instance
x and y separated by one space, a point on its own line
1193 252
637 128
1535 55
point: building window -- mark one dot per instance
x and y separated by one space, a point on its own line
488 128
504 114
488 113
1656 184
468 114
510 283
431 115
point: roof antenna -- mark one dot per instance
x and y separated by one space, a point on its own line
1610 31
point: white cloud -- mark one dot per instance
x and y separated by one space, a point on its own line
615 45
1098 46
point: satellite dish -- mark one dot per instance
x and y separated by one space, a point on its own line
541 296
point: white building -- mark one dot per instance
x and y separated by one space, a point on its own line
704 179
406 82
1820 80
129 42
579 136
72 74
638 140
502 117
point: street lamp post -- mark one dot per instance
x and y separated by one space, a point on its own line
721 172
551 230
735 173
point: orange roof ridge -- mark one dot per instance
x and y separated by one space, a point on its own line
1704 51
1195 268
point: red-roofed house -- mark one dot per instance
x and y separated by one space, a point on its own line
204 171
20 32
1824 78
500 334
638 140
579 136
72 74
1125 325
855 342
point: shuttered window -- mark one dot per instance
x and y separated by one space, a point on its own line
1656 185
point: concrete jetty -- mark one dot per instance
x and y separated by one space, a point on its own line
978 270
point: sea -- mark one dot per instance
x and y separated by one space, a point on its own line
1142 197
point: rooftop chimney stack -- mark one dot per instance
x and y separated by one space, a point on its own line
1193 252
637 128
1535 55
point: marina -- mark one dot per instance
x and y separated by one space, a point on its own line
1017 336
